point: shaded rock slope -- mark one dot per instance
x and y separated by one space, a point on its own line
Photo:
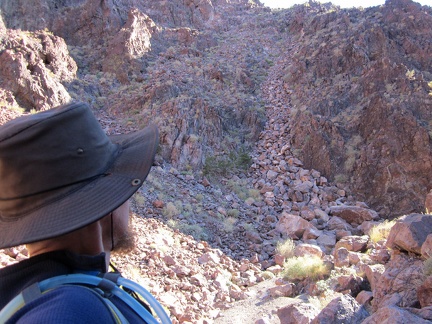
310 124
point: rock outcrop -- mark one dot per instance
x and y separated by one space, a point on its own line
361 106
309 124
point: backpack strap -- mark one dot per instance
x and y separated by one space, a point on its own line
104 286
33 292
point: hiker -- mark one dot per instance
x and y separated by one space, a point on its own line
64 191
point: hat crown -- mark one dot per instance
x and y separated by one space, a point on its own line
43 155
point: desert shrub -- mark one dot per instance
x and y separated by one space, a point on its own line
241 188
224 165
233 212
341 178
255 194
300 268
173 223
248 227
194 230
381 231
228 224
139 199
427 267
170 210
285 248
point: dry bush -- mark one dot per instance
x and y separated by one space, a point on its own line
381 231
286 248
300 268
427 267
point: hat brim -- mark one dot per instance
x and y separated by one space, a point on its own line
93 200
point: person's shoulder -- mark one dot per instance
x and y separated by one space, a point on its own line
66 304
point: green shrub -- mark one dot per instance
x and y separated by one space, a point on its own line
224 165
233 212
300 268
194 230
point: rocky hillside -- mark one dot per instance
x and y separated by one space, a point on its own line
309 124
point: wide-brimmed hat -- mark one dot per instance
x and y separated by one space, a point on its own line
59 172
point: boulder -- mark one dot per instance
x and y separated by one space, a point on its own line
373 274
410 232
293 225
304 249
297 313
426 248
394 315
354 215
342 310
428 203
424 293
398 284
353 243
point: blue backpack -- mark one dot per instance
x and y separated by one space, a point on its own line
103 285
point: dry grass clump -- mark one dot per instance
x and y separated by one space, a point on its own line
381 231
228 224
286 248
300 268
427 267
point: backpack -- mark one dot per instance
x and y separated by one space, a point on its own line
102 285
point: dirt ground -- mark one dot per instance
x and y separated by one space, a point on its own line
258 306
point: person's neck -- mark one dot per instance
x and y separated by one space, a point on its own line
85 241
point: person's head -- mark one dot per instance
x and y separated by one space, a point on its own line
60 174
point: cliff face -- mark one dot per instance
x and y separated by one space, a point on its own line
359 83
355 82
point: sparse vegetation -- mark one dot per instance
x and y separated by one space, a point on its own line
233 212
241 188
170 210
228 224
223 165
139 199
380 232
427 267
341 178
300 268
286 248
